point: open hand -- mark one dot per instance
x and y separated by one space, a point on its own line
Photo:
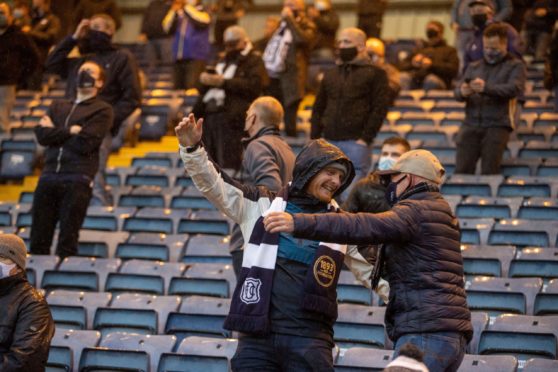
276 222
188 131
75 129
81 29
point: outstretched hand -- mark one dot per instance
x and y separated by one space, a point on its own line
188 131
276 222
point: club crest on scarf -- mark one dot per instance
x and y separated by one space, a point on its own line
324 271
250 293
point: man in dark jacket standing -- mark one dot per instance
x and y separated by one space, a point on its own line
226 94
490 88
421 248
19 58
72 132
159 42
432 66
370 16
121 88
352 101
26 326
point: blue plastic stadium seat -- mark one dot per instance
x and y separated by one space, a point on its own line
67 301
540 365
163 305
99 266
66 347
467 185
100 244
205 222
481 207
75 280
523 233
145 196
350 290
106 218
38 264
200 354
153 161
488 363
363 359
208 249
487 260
535 262
359 325
546 303
152 246
16 164
157 220
191 198
96 359
526 187
539 209
119 282
154 121
142 321
166 270
475 230
479 320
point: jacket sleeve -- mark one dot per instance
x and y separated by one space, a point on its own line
50 34
378 107
318 109
262 166
200 18
396 225
505 9
448 67
57 61
304 33
250 85
510 88
92 133
169 21
128 80
52 136
33 331
227 196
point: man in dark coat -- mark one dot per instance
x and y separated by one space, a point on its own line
370 16
421 251
226 94
539 25
434 65
26 326
327 24
159 42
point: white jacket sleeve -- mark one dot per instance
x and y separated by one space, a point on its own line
362 270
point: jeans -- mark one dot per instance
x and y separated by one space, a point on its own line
159 51
488 144
361 157
101 196
291 111
278 352
443 351
65 202
7 101
536 42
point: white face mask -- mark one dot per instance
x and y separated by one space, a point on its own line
5 269
386 163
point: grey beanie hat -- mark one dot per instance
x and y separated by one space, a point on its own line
13 247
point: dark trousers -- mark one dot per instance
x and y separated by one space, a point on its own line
371 24
55 201
222 139
291 110
187 72
282 353
488 144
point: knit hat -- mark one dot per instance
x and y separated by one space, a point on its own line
13 247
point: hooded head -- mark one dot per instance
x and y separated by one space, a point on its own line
316 168
12 253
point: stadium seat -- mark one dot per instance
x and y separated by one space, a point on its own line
66 347
527 187
488 363
100 266
156 220
73 280
539 209
475 230
89 301
524 233
487 260
539 149
479 320
520 167
154 121
483 207
166 270
136 283
546 302
16 164
22 215
205 222
199 316
350 290
220 272
197 353
468 185
183 180
502 295
147 197
26 197
149 176
122 345
191 198
359 325
152 246
548 169
100 244
207 249
540 365
36 266
100 359
546 119
106 218
5 215
141 321
535 262
363 359
164 160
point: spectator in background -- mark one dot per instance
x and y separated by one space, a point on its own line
327 23
72 132
271 24
45 32
463 22
159 42
518 14
27 325
286 59
21 14
482 14
551 70
368 194
352 101
432 66
377 51
490 88
268 161
539 25
189 21
225 95
121 88
86 9
19 58
64 10
370 16
227 13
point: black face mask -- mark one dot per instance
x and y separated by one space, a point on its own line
391 190
431 33
479 20
85 80
347 54
94 41
232 55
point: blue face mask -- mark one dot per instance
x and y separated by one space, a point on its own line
391 191
5 269
386 163
493 57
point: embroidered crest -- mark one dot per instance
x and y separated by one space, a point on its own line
250 293
324 271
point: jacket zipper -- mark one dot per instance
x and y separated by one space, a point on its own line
61 150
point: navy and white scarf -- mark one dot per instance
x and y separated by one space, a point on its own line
249 312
